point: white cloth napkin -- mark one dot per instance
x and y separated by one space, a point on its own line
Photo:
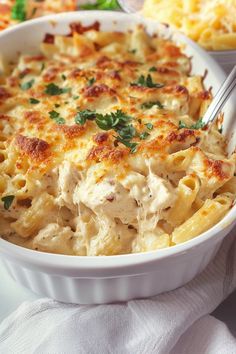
176 322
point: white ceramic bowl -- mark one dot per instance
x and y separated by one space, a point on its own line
90 280
225 58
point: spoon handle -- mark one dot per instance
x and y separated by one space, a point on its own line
220 98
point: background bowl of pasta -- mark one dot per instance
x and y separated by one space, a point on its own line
104 279
212 24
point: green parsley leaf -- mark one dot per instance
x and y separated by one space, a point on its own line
7 200
57 105
91 81
198 125
18 11
82 116
33 101
144 135
132 146
102 5
151 104
27 85
54 114
54 90
220 130
127 133
146 82
63 77
75 97
60 120
149 126
56 117
152 69
115 120
132 51
182 125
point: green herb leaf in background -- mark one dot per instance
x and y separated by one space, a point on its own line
102 5
18 11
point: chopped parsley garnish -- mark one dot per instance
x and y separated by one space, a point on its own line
151 104
91 81
182 125
220 130
144 135
127 132
27 85
18 11
146 82
114 120
152 69
117 121
127 143
82 116
54 90
133 51
33 101
75 97
149 126
198 125
57 105
63 77
7 200
102 5
56 117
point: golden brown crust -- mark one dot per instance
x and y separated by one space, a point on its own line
34 148
77 27
4 94
114 154
70 131
98 90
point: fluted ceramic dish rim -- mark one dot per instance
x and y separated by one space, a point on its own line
113 265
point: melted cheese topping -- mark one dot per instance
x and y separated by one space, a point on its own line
69 185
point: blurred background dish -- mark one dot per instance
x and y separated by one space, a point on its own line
211 23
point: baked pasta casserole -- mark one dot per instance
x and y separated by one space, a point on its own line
102 146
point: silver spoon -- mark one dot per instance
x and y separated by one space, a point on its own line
131 5
220 98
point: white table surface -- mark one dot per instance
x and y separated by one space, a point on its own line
13 294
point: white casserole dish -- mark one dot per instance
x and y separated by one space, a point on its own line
225 58
90 280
